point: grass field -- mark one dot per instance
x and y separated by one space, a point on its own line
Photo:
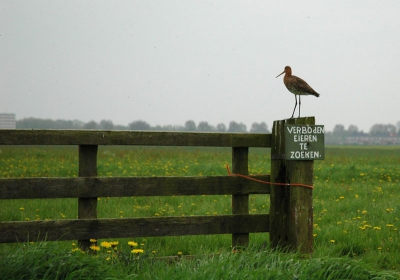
356 217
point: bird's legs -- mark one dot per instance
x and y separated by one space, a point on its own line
299 105
295 97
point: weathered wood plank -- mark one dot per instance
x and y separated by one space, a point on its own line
83 229
87 206
31 188
140 138
240 202
301 200
280 195
291 210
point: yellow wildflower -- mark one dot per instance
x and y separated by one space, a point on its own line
95 248
105 244
137 251
132 244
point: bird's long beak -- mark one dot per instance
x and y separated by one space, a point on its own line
280 74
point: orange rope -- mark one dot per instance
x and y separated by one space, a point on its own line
265 182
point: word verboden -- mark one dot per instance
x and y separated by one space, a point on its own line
305 129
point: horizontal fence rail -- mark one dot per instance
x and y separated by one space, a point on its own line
30 188
88 187
138 138
84 229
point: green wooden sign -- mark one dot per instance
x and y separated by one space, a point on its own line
304 142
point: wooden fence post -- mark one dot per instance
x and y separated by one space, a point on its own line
240 203
87 207
291 211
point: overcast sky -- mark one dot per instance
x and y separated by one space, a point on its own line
166 62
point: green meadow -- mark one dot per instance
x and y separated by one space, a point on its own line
356 218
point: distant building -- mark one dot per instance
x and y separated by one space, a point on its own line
372 140
7 121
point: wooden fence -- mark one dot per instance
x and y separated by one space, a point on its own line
289 221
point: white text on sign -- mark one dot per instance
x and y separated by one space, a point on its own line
305 129
304 142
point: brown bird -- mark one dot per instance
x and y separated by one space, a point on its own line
297 86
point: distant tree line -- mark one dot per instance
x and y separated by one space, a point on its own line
35 123
341 135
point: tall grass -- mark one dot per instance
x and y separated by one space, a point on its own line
356 211
48 261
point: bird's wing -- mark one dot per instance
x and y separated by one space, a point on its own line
302 86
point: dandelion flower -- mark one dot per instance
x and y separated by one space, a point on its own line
105 244
332 241
95 248
137 251
92 240
132 244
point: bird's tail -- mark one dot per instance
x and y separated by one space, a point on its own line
316 94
